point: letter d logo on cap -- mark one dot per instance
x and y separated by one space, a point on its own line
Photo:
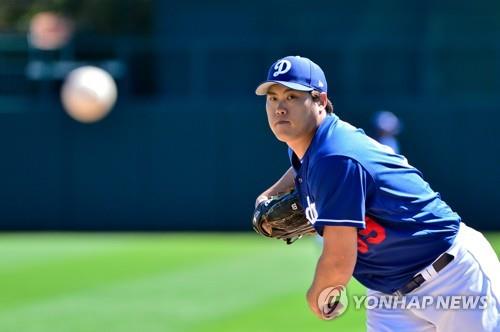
282 67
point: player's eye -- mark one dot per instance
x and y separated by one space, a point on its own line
271 98
291 97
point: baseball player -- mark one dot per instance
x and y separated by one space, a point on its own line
387 127
380 221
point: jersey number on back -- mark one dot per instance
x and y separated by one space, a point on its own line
372 234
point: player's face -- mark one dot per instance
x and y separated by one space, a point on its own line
292 115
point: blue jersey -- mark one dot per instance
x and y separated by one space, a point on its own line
348 179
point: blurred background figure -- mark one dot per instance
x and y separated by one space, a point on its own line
50 31
49 54
387 127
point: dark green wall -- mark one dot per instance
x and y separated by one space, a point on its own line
193 150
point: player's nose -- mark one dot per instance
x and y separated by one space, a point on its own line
281 109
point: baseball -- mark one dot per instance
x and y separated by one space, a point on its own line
88 94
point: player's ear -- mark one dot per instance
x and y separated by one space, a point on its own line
322 101
323 98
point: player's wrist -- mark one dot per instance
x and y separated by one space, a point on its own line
261 199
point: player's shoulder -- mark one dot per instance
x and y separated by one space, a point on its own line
341 166
340 141
340 138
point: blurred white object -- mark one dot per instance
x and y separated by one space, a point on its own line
88 94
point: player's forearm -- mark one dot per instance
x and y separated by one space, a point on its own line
284 184
335 265
329 274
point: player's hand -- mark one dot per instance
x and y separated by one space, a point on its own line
312 301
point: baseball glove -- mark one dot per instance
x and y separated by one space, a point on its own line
282 217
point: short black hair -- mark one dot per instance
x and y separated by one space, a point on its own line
329 105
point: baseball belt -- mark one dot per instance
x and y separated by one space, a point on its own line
419 279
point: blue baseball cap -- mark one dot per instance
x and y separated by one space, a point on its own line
295 72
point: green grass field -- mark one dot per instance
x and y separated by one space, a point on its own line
161 282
